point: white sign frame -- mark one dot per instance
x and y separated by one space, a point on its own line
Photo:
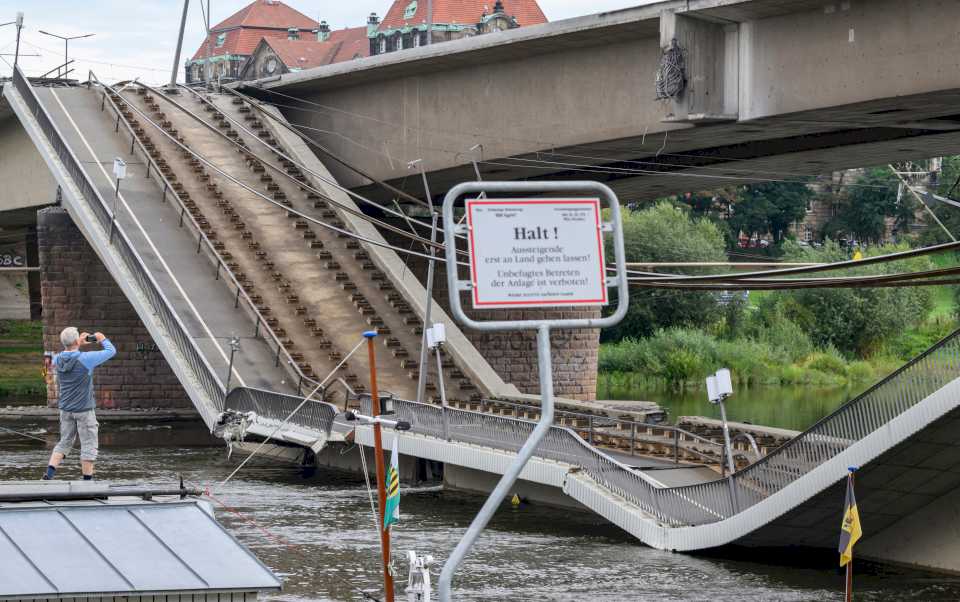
554 236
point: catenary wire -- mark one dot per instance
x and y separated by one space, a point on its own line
309 218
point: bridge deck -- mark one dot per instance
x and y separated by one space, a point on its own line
170 252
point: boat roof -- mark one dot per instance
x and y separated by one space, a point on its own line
120 546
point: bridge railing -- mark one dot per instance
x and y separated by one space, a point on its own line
261 327
177 332
313 416
877 406
561 445
720 499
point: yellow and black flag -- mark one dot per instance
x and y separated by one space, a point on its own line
850 531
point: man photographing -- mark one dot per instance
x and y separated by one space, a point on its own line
76 401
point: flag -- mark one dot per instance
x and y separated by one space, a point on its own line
850 531
391 513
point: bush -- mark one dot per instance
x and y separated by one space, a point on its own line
829 361
855 320
666 233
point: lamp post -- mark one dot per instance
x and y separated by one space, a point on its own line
119 172
234 347
19 23
720 387
66 46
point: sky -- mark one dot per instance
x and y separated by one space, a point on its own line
137 38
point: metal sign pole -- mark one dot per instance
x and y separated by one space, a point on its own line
513 472
543 328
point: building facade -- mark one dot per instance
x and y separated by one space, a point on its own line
274 56
407 22
224 52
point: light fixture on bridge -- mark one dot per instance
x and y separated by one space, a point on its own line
719 388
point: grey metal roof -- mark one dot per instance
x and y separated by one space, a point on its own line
69 549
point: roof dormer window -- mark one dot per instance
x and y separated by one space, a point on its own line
293 33
221 39
410 11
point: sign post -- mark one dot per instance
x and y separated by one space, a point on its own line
529 251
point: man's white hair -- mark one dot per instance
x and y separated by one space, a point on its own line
69 336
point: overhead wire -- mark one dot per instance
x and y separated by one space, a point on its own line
597 168
279 171
289 210
257 104
655 280
407 219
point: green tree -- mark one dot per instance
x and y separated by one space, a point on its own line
770 207
865 207
667 233
947 186
855 320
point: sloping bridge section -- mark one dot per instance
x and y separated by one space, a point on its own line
192 298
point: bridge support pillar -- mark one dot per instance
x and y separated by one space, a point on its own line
711 65
77 290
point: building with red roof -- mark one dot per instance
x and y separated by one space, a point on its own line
413 23
276 56
232 41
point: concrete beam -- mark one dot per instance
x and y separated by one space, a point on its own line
581 91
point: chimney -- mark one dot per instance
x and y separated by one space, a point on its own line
498 7
323 32
373 23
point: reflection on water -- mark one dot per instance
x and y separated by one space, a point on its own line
789 407
528 553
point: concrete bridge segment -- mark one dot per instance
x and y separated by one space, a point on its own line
775 89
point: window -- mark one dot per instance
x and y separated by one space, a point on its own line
416 38
221 38
410 11
383 44
398 42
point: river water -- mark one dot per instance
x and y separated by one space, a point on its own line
317 533
790 406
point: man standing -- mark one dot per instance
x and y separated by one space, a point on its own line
76 401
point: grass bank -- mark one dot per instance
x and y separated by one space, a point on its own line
21 361
681 357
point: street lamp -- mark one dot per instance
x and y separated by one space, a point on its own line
720 387
66 43
19 23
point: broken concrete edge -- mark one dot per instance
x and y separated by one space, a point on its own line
467 357
753 429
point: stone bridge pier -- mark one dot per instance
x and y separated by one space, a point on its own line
77 290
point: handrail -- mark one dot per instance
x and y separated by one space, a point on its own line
719 499
316 415
280 153
202 370
291 364
887 399
593 418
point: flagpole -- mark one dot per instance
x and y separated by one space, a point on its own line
849 593
381 479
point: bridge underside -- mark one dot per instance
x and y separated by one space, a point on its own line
775 90
907 499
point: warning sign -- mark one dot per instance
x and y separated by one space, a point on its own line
536 252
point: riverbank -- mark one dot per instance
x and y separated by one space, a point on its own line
21 362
